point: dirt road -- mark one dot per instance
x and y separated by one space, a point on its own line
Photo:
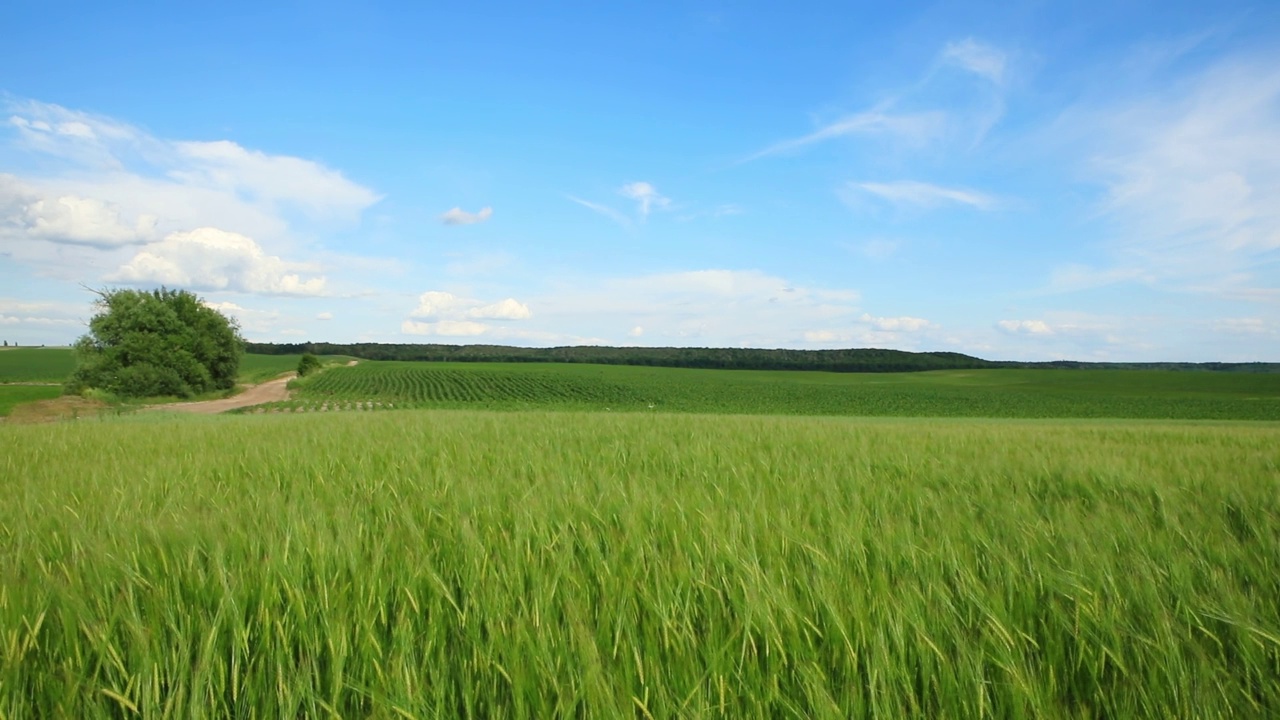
271 391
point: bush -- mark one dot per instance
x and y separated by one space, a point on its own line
308 364
161 342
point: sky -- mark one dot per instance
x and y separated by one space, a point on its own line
1012 180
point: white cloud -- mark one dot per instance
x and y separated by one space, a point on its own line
67 219
912 127
213 259
604 210
324 316
224 165
445 328
869 330
106 184
646 196
920 194
30 320
1192 180
249 319
508 309
977 58
458 216
897 324
635 332
1025 327
444 306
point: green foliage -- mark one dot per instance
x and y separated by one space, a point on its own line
162 342
308 364
970 393
52 365
457 564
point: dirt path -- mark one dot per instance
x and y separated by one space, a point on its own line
271 391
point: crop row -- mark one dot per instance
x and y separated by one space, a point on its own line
993 393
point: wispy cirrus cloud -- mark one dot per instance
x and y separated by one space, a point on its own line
646 196
924 195
976 57
914 115
881 121
1191 184
604 210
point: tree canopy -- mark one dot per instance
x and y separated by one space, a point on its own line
160 342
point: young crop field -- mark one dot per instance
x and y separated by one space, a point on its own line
14 395
46 365
968 393
429 564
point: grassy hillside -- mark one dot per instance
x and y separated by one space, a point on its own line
452 564
967 393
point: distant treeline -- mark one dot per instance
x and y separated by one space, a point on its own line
851 360
860 360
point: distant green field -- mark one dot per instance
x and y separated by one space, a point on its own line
260 368
963 393
441 564
54 365
51 365
12 395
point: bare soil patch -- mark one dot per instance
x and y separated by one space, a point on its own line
271 391
69 407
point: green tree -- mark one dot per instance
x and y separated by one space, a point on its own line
160 342
308 364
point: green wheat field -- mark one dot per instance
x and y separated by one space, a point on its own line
712 556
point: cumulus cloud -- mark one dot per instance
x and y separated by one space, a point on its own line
896 324
213 259
324 316
925 195
867 329
445 328
458 216
445 306
68 218
1025 327
105 184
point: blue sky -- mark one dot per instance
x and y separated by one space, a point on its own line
1094 181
